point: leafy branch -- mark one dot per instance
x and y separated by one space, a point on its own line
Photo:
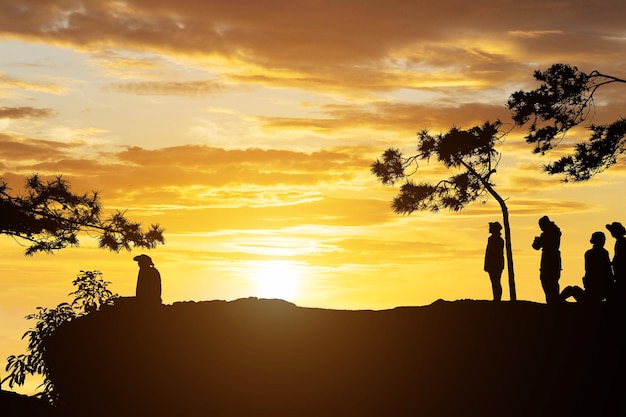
563 100
50 217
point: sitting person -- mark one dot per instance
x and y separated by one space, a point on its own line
598 275
148 281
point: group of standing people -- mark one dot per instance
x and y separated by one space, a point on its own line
604 279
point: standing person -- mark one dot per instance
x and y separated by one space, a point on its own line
494 259
549 242
148 281
619 260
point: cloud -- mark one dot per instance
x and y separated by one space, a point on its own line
266 160
188 88
128 65
524 206
7 82
15 151
182 175
364 44
24 112
404 118
534 33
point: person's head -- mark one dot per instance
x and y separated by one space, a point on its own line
597 239
544 222
616 229
143 260
495 227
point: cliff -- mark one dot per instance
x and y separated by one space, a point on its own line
255 357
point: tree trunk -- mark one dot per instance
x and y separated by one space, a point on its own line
507 242
507 229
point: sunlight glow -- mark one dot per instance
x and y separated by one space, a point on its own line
276 279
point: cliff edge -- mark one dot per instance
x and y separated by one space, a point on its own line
257 357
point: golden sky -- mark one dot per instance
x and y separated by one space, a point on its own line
246 129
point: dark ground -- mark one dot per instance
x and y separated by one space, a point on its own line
271 358
16 405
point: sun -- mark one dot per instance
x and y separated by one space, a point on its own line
277 279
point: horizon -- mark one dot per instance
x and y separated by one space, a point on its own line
248 131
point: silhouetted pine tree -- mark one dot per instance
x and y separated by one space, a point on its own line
472 153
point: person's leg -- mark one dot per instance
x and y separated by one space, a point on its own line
551 289
546 289
575 292
496 286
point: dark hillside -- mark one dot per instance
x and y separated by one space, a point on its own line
271 358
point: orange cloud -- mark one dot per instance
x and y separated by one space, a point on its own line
364 44
10 82
404 118
140 176
23 112
15 150
189 88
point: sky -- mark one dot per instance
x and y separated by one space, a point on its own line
247 129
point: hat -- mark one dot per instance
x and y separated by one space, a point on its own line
495 226
143 259
616 228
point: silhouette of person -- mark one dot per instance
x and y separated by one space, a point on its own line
598 275
494 259
148 281
550 268
619 260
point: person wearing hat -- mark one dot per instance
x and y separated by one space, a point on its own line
619 259
494 259
550 268
148 281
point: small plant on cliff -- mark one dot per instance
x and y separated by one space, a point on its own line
91 292
91 295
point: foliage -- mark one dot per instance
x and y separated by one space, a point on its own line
91 292
91 295
471 153
564 99
50 217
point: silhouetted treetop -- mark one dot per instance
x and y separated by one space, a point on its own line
564 99
471 149
49 216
